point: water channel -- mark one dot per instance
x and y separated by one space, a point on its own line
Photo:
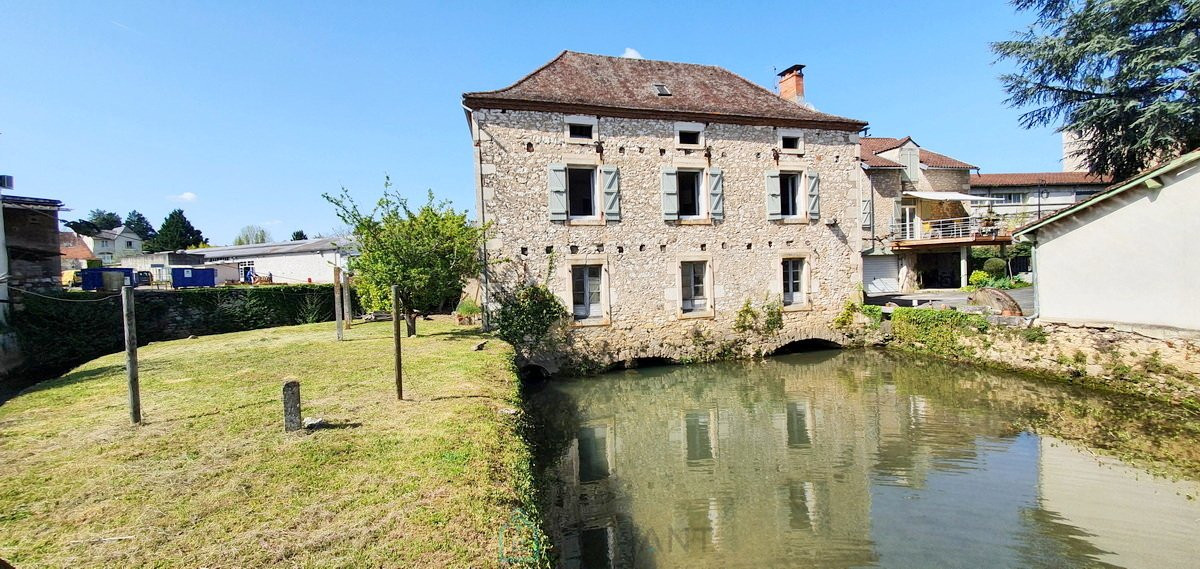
856 458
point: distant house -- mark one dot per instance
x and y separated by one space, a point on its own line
111 245
1126 256
74 251
310 260
31 242
1033 195
917 230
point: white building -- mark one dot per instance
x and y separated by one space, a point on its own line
1124 257
1032 195
289 262
112 245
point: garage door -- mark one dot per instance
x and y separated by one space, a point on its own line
881 273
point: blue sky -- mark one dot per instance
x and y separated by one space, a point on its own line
245 112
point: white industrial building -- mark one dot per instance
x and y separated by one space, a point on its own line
289 262
1125 256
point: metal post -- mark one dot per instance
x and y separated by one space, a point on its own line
397 314
131 362
337 300
347 300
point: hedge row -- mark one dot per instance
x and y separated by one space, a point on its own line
59 333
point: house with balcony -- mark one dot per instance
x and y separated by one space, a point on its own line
657 198
917 217
1024 197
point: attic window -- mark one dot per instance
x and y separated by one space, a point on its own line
691 137
583 131
791 142
661 90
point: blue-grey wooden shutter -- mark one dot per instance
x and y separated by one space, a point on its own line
867 213
773 205
557 182
611 179
814 196
716 193
670 194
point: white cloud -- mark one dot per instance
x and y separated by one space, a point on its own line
273 222
184 197
631 53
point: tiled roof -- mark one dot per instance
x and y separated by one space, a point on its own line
870 147
616 86
70 246
316 245
1038 179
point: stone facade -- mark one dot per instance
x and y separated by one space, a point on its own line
641 253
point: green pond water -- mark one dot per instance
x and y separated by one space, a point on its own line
856 458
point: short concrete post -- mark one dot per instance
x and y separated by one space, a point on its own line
291 406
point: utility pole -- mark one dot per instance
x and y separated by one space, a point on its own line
396 315
337 299
131 361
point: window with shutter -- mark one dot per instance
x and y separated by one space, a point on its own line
581 192
557 185
670 194
772 193
789 194
814 196
866 214
716 193
611 179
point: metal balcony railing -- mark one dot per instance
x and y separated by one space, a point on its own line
952 228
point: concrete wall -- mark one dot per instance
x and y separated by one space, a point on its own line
642 252
1129 259
294 268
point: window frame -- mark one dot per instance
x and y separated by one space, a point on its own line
791 133
587 292
581 120
702 206
597 211
806 287
799 195
690 127
567 296
709 288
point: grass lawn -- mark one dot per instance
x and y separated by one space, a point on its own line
211 479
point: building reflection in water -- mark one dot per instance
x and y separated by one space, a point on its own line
831 459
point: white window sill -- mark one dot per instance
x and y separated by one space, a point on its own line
794 220
585 221
697 314
589 322
806 307
689 146
695 221
583 141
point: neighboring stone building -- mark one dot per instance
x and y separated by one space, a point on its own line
917 231
112 245
656 198
31 242
1125 257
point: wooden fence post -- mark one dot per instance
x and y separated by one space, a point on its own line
131 361
337 300
291 406
347 300
396 316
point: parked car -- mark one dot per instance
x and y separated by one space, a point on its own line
71 279
144 278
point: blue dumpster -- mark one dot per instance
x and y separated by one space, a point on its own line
93 279
182 277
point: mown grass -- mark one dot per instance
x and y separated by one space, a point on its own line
212 480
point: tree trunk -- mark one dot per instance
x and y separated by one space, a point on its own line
410 318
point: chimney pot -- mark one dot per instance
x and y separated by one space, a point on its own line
791 84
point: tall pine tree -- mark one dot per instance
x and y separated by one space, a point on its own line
1122 74
175 233
137 223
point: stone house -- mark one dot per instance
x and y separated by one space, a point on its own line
657 198
1146 229
915 212
112 245
31 242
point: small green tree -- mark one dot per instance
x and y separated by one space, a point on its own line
528 317
137 223
176 233
997 268
299 235
251 235
104 219
429 252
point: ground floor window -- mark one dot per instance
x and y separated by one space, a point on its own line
695 295
793 282
585 292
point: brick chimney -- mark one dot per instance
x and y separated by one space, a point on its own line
791 84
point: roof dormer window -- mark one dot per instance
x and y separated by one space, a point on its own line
661 90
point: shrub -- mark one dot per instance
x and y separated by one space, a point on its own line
936 331
467 307
1034 335
979 279
995 267
528 316
747 318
